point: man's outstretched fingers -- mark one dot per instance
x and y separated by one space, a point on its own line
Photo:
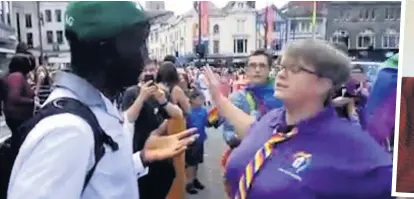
189 140
185 133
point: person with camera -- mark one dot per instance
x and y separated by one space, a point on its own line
148 106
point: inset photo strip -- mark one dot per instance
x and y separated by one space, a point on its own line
403 178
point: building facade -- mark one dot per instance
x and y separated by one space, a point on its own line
363 25
231 32
8 39
277 35
300 20
40 24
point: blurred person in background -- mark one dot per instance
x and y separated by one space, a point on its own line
168 79
22 48
257 98
43 82
185 82
350 99
170 58
18 96
148 106
197 118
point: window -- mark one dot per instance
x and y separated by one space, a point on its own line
58 15
366 39
277 26
28 19
240 26
240 4
390 39
49 37
48 14
240 45
398 13
59 37
305 26
344 14
392 13
341 36
367 14
29 40
373 13
216 47
216 29
389 13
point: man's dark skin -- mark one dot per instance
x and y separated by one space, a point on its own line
113 64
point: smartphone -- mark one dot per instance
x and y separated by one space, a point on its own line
148 78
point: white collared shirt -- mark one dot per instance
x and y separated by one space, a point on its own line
57 154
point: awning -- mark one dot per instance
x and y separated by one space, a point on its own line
7 51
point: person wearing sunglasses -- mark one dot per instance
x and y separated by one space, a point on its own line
304 150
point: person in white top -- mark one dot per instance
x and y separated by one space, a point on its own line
108 50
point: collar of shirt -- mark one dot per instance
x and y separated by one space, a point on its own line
85 92
315 122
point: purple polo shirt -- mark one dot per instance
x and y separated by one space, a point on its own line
329 158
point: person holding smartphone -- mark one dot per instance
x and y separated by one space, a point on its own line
148 106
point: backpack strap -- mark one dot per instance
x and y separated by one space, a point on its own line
75 107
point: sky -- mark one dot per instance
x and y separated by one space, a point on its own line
182 6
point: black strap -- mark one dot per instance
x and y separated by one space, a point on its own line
75 107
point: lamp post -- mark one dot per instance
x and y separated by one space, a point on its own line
199 30
266 26
40 23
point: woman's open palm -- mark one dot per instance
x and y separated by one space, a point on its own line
212 82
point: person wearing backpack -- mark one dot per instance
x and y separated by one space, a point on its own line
79 145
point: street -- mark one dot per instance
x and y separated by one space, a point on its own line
210 172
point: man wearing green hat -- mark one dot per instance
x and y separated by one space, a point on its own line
108 51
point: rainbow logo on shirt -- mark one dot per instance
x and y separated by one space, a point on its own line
302 160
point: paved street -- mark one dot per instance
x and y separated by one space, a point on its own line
211 173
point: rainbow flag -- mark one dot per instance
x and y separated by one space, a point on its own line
213 115
380 108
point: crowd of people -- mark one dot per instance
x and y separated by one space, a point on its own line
119 125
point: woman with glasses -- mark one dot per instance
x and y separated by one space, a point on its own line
304 150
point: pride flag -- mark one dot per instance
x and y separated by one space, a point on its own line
380 108
213 115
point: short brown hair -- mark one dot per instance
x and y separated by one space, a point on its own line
262 52
328 61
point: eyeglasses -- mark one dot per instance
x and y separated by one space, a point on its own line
295 69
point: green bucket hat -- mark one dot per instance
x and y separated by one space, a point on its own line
97 20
